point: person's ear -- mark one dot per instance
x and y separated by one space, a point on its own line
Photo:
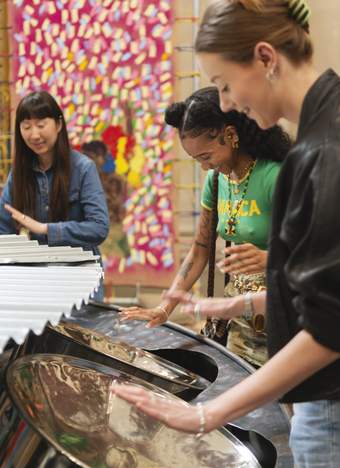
230 136
266 56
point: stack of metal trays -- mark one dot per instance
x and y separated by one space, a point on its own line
19 249
40 283
60 411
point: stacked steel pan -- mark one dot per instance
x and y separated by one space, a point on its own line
39 283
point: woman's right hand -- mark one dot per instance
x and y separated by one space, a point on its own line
155 316
243 258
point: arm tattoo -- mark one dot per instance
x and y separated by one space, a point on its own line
202 240
185 269
200 244
204 229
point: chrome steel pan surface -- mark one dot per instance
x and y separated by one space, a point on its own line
68 416
75 340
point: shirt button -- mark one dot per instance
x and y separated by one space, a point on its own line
46 207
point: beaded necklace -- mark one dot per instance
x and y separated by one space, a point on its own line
233 213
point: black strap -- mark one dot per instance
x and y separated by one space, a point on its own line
213 227
221 325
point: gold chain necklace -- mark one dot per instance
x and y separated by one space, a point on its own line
233 213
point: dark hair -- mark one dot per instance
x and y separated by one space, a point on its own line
95 147
40 105
201 113
233 28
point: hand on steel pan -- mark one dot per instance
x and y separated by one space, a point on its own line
243 258
155 316
173 413
209 307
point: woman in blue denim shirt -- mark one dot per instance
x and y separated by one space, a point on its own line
52 191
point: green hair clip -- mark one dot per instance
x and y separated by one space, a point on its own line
299 11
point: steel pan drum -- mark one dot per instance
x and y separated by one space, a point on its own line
74 340
59 411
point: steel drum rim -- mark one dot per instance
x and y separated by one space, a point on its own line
178 368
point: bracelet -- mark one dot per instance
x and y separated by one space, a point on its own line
197 312
163 309
201 415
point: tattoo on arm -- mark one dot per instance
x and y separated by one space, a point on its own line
200 244
202 240
185 269
203 236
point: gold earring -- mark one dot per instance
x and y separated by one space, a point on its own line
234 144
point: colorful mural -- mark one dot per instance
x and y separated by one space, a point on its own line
109 65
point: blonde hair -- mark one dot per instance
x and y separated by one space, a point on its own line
232 28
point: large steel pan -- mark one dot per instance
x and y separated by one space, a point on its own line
59 411
75 340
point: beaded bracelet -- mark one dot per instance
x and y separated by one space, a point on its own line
201 415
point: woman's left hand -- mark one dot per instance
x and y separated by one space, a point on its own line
243 258
173 413
29 223
217 307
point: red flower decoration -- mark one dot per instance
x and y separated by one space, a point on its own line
111 134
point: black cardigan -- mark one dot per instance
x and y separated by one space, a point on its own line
303 270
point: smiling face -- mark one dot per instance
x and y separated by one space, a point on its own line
244 88
40 135
211 153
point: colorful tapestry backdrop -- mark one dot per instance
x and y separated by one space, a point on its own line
108 63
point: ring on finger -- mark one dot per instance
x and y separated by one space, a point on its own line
197 312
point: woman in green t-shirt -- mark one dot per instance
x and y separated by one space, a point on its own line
245 160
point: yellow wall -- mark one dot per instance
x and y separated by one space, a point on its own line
4 93
325 31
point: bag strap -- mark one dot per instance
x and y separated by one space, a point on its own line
213 227
219 325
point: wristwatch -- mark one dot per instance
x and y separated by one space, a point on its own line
256 319
248 307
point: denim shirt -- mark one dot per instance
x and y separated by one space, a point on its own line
88 220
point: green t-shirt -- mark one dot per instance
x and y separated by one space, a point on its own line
254 216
